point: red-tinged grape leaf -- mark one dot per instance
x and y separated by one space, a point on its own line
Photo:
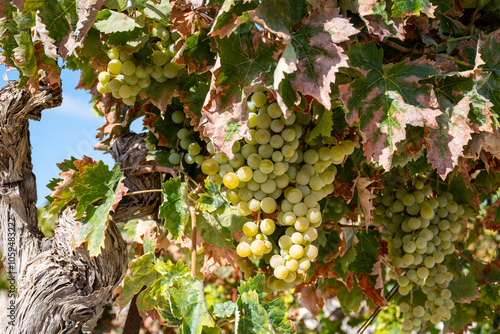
378 271
93 184
196 53
371 292
316 57
19 4
446 143
185 19
87 13
401 8
217 257
492 217
279 16
491 57
116 22
365 197
161 94
312 299
387 98
187 302
374 14
228 18
464 289
366 253
286 97
175 208
244 62
48 42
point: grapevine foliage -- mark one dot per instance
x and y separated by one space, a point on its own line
347 152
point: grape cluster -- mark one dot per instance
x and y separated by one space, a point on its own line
276 165
186 148
420 230
127 75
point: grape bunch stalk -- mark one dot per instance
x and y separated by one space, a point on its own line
129 74
278 166
420 226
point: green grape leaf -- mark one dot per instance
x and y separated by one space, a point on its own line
279 16
187 298
443 5
378 22
324 126
401 8
224 310
277 314
142 273
158 11
175 209
464 289
350 301
491 56
93 184
256 283
251 316
212 200
116 22
244 61
217 228
386 99
162 93
164 127
196 89
230 16
196 53
366 253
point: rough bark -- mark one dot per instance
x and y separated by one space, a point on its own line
59 289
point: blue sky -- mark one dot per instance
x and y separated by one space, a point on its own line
66 131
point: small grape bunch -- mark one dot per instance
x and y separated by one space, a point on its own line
420 227
129 74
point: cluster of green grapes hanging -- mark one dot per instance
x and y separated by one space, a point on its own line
129 74
277 166
420 228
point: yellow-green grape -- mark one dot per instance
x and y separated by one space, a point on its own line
348 146
243 249
259 99
115 67
210 167
113 54
129 100
296 251
231 180
281 272
250 229
170 70
276 261
267 226
258 247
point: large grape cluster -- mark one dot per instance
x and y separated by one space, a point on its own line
129 74
420 228
277 166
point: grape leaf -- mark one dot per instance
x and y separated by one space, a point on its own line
224 310
187 299
277 314
464 289
142 273
244 61
175 209
401 8
446 143
366 253
378 22
279 16
218 228
116 22
324 126
92 184
230 17
316 57
158 11
196 53
386 99
251 317
491 57
256 283
212 200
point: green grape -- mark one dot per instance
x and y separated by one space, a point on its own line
267 226
128 67
210 167
174 159
159 58
178 117
170 70
259 99
115 67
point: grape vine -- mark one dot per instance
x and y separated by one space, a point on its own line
308 151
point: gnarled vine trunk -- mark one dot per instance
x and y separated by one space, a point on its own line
59 289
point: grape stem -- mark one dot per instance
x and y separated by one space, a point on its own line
143 192
193 238
133 167
368 321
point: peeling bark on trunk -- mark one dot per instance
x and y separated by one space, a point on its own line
59 289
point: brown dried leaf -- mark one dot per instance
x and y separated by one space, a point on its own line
48 42
365 197
374 14
372 293
312 299
119 195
